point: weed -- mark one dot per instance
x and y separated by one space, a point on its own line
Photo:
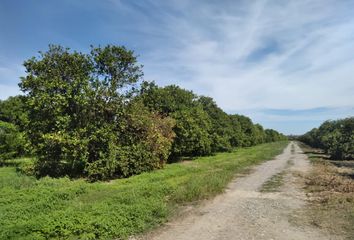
274 183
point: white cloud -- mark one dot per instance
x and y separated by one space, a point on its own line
308 65
247 55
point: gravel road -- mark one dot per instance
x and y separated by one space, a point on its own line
246 212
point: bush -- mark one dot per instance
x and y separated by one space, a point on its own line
61 154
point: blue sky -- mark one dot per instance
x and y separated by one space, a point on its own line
289 65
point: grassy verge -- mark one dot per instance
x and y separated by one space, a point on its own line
74 209
330 188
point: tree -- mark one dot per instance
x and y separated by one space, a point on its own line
88 115
145 141
78 112
13 110
237 136
12 141
192 133
192 123
221 125
259 134
335 137
247 130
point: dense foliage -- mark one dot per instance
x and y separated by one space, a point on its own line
12 141
92 115
201 126
13 110
13 122
193 124
335 137
82 120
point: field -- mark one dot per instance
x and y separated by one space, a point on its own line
71 209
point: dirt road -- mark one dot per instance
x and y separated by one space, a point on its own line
244 211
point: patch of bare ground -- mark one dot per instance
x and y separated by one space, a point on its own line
330 192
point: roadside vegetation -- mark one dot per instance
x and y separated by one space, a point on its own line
61 208
92 115
330 188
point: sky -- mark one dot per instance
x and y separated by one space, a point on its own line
289 65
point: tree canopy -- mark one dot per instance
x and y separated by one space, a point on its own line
91 114
335 137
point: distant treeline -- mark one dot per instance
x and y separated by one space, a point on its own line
92 115
335 137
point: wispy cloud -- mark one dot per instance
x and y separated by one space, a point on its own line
259 54
249 56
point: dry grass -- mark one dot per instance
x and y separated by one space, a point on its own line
330 192
330 179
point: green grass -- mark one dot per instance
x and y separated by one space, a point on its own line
51 208
274 183
277 180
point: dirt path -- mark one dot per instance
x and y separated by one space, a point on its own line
246 212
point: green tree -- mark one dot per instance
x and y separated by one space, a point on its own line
259 134
221 125
247 130
78 111
192 133
12 141
192 122
13 110
237 136
335 137
144 144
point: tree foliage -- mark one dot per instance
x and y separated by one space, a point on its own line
78 113
13 110
335 137
192 122
89 114
12 141
221 130
201 126
14 120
